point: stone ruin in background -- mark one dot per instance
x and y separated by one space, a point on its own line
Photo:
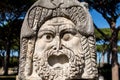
57 42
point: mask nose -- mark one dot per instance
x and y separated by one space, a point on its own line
58 45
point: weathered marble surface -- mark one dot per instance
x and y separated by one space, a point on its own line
57 42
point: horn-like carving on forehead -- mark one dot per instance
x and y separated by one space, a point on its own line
42 11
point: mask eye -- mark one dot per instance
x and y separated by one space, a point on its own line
48 37
67 36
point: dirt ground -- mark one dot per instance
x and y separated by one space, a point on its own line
10 71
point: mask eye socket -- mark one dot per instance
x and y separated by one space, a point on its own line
67 36
48 37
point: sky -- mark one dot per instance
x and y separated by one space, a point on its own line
100 21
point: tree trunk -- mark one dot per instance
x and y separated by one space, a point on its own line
102 62
7 58
109 56
115 66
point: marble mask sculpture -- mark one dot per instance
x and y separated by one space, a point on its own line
57 42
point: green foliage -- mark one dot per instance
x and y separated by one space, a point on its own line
119 36
101 48
14 61
99 36
118 49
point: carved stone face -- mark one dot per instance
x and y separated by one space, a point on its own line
58 54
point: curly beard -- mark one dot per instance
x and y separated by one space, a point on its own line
64 64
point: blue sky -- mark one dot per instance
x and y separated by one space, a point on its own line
100 21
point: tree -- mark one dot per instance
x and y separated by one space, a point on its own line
12 13
110 10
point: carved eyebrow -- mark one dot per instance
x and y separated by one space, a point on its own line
46 29
42 32
68 30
